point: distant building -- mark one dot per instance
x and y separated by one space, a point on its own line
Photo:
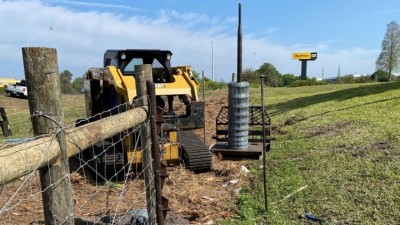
360 75
7 81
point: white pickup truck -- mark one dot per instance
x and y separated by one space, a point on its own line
18 89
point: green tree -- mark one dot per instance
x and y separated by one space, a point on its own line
252 77
389 58
65 82
77 84
273 77
380 76
289 79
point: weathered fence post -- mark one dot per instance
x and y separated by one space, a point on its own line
44 96
5 126
155 148
143 73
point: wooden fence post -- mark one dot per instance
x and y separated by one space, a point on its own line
143 73
44 96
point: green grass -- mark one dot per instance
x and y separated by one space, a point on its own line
18 114
340 141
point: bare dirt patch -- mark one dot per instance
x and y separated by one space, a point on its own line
380 151
293 120
331 130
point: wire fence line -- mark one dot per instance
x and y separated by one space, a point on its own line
108 187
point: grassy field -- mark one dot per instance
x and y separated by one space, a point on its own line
340 146
17 110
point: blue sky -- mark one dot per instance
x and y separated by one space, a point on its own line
346 34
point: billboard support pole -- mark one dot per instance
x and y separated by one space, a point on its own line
303 69
303 57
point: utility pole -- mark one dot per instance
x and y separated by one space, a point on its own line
212 61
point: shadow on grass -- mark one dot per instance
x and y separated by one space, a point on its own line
340 95
292 121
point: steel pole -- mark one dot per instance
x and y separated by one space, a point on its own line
239 46
264 149
203 91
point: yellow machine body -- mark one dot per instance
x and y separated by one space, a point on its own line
184 84
108 87
169 151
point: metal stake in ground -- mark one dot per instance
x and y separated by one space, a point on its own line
155 147
203 87
264 149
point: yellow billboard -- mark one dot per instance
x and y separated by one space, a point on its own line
304 55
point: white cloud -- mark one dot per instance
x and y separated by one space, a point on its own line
81 38
94 4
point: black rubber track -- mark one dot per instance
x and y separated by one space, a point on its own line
195 152
108 163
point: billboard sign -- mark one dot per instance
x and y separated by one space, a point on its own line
304 55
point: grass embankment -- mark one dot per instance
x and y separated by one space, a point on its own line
341 143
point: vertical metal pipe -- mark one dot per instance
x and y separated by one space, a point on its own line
155 146
202 84
203 91
264 149
239 46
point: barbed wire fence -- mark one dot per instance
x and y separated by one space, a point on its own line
108 175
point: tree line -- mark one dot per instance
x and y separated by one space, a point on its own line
387 62
272 78
275 79
67 85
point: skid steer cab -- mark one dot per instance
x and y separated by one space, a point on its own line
178 106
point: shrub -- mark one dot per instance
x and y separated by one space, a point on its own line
308 82
380 76
212 85
289 79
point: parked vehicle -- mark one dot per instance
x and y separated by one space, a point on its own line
17 90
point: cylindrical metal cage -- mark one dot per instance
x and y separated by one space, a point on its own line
238 115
